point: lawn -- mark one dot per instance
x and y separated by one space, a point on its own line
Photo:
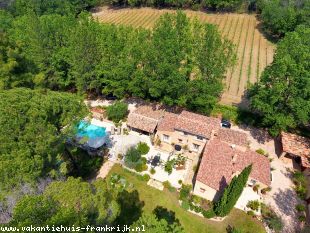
192 223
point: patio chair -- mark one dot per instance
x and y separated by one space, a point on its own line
112 130
119 130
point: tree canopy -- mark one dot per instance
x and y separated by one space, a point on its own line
282 96
154 225
232 193
281 16
180 62
68 203
32 134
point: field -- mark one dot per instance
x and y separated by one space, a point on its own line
151 198
253 50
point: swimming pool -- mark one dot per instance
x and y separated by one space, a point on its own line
91 135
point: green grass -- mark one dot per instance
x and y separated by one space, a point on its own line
192 223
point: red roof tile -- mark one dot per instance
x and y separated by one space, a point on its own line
232 137
197 124
220 162
298 146
168 122
145 118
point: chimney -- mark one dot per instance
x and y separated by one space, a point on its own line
233 146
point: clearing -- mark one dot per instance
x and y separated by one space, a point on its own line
253 50
152 198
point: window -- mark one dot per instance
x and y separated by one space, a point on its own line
165 138
199 138
195 147
202 190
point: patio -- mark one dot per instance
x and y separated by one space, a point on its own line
121 143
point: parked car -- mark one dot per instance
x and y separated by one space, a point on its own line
110 97
225 124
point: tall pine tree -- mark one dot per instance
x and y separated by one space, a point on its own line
232 193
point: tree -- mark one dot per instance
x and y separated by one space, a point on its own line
132 157
280 17
143 148
153 225
282 94
232 193
32 134
71 202
117 111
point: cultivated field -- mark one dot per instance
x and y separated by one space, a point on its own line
253 50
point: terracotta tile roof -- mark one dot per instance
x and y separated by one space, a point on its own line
145 117
220 162
298 146
152 111
97 110
197 124
168 122
232 137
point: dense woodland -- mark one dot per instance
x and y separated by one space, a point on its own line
180 62
52 53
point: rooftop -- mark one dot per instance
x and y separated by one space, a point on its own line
197 124
221 162
232 137
297 145
145 117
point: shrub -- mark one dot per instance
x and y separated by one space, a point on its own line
143 148
185 191
117 111
196 199
152 171
265 190
132 157
169 166
120 156
300 208
167 184
301 191
256 187
146 177
302 218
143 160
185 205
172 189
251 213
208 213
260 151
180 181
140 167
271 218
254 205
231 229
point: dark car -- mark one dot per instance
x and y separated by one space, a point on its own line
110 97
225 124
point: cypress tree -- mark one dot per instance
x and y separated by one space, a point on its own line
232 193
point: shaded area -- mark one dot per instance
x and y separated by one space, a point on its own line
286 203
131 207
164 213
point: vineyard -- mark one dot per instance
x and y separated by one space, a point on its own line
253 50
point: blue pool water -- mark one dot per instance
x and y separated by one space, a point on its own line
86 129
95 135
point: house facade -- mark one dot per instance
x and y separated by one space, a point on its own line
222 160
189 131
